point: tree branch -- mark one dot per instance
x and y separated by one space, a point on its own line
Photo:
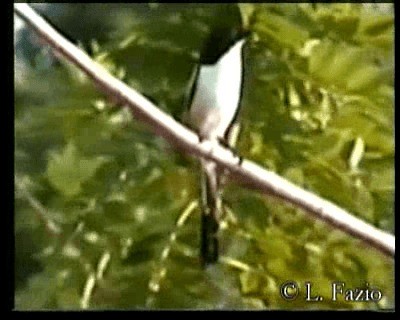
164 125
43 214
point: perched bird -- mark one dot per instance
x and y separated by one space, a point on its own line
214 103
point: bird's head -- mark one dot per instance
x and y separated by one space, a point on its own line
218 41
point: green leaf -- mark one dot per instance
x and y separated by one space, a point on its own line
344 67
281 30
375 25
68 170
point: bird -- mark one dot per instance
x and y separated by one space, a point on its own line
214 104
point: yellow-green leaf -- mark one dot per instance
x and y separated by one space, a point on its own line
68 169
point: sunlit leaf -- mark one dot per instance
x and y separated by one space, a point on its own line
67 170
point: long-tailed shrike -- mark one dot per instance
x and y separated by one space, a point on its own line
215 98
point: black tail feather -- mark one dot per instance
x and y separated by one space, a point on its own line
209 250
209 240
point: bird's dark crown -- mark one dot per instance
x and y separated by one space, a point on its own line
219 41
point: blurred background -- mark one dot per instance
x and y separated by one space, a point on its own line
98 196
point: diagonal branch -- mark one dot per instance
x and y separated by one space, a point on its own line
43 214
164 125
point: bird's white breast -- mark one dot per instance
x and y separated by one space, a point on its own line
218 93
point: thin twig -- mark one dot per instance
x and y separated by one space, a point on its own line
39 209
251 174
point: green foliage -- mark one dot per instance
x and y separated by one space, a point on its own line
106 212
68 170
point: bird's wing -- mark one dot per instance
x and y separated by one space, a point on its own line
191 88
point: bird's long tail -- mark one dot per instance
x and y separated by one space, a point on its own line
211 214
